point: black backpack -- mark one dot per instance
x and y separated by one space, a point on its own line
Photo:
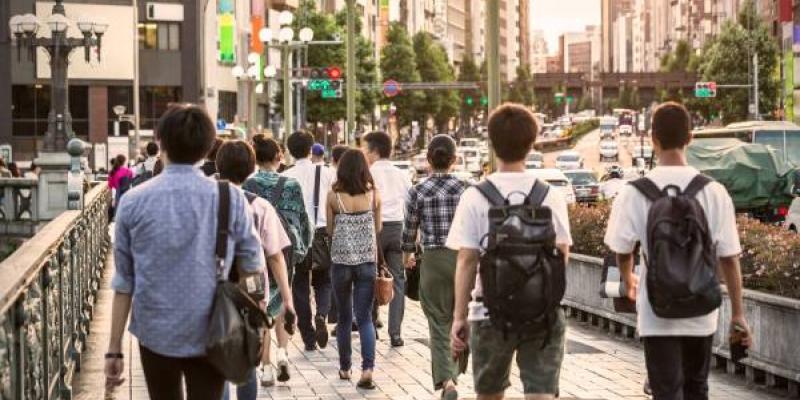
681 258
521 270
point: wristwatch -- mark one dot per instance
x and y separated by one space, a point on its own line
115 355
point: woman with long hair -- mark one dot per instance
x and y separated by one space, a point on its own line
430 211
354 219
119 180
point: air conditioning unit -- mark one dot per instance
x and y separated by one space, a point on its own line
164 12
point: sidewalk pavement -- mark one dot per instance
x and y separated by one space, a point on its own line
597 366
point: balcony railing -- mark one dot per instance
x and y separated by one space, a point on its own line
47 292
19 214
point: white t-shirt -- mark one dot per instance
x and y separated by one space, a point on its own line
305 173
393 185
471 222
610 188
628 225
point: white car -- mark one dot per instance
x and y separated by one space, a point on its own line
626 130
569 159
535 160
472 157
609 150
792 221
469 142
420 162
405 166
640 151
558 180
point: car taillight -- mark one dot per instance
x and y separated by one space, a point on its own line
595 190
782 211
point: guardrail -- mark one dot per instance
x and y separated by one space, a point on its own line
47 292
19 215
773 360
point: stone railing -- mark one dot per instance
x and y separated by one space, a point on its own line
773 360
47 291
19 214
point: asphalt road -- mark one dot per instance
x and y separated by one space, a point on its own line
589 148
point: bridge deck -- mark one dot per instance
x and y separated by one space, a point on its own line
597 366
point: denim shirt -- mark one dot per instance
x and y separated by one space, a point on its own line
164 254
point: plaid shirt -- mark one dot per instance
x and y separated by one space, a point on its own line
430 209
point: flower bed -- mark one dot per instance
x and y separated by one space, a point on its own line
770 254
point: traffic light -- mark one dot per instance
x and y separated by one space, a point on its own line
484 101
326 80
705 89
469 101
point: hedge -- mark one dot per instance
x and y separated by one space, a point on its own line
770 254
582 128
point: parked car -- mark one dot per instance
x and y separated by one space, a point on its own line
472 157
792 222
569 159
557 181
535 160
609 150
406 167
420 162
585 184
625 130
469 142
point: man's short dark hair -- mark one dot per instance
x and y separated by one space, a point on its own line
338 151
299 144
267 149
236 160
186 133
151 149
672 126
512 131
379 142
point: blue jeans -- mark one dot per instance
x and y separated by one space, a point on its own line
354 288
248 391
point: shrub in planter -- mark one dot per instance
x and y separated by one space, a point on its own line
770 254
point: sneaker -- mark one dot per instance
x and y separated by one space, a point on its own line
267 377
397 341
283 365
321 331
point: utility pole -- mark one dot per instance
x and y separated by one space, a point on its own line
492 57
136 83
287 92
350 89
755 87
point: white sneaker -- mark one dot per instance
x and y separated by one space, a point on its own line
267 377
283 365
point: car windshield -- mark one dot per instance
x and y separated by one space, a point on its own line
557 182
470 153
534 157
401 166
775 140
581 178
568 157
608 145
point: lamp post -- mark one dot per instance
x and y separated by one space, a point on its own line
247 76
59 46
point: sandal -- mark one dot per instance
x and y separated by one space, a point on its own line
450 393
344 375
366 384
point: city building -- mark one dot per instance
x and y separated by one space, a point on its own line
580 51
622 46
538 57
555 65
476 35
610 11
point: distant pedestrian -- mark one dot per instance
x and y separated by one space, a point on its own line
165 268
14 169
285 195
393 185
317 154
336 154
33 171
119 180
353 211
316 181
209 166
4 171
429 213
236 161
515 315
148 167
677 316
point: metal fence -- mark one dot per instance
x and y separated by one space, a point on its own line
47 292
19 214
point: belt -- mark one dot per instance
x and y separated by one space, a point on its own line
393 223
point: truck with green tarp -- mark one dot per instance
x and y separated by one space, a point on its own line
759 183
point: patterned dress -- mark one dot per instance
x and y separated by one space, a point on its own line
353 236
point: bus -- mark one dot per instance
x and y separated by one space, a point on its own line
782 137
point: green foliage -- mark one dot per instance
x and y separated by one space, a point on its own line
682 59
522 87
628 98
468 72
582 128
433 66
728 59
399 62
367 71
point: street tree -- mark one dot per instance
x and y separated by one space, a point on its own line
682 59
398 62
468 71
521 90
728 60
366 72
433 66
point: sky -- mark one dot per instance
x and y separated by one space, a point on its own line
555 17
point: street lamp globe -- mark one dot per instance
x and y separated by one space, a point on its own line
260 88
100 27
270 71
285 17
252 72
286 34
15 23
265 35
253 58
57 23
85 24
237 71
29 23
306 35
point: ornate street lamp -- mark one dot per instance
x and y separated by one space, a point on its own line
59 47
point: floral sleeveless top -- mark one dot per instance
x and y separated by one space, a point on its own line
353 241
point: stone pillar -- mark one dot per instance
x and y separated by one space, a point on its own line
52 199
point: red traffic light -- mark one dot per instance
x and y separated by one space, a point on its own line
334 72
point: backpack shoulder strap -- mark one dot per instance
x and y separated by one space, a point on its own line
538 193
277 190
696 185
251 197
223 218
317 176
648 188
490 192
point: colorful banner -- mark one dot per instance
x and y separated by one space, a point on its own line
225 7
227 38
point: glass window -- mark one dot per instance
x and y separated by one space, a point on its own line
773 140
568 158
163 37
793 147
535 157
174 37
148 38
582 178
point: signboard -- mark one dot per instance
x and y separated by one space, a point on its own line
100 157
391 88
116 146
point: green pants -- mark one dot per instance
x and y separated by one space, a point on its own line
437 295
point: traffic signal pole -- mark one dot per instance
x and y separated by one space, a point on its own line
288 124
492 56
350 91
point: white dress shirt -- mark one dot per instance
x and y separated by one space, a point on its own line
304 171
393 185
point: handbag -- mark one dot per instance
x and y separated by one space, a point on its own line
234 339
412 278
384 286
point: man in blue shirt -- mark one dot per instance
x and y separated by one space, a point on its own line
166 273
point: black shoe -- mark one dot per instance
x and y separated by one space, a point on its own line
397 341
354 328
333 331
378 324
311 347
321 331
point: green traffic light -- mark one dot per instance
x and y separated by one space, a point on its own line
469 101
484 101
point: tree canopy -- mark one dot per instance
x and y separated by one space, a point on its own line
398 62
